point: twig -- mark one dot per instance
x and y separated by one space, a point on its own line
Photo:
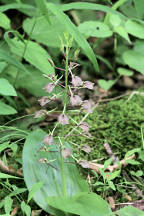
110 153
9 170
96 166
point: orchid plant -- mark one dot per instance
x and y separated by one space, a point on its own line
71 95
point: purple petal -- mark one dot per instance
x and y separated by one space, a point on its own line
85 127
49 87
88 84
86 148
39 113
76 81
66 152
84 163
44 100
87 106
48 139
75 100
63 119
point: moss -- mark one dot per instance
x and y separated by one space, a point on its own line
117 122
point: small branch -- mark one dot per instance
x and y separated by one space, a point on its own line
96 166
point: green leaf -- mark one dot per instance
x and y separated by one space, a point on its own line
8 205
5 176
137 174
139 8
4 21
11 60
122 32
130 211
111 184
134 60
43 8
133 162
84 204
124 72
134 28
44 32
3 146
6 88
107 163
114 20
34 189
106 85
72 29
3 64
34 53
49 175
95 29
6 109
113 175
26 208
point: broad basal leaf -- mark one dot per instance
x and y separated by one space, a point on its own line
83 204
35 172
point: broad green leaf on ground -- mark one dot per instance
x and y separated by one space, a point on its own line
6 88
34 189
95 29
106 85
44 32
130 211
114 20
11 60
3 64
50 176
4 21
134 60
32 52
84 204
134 28
124 72
6 109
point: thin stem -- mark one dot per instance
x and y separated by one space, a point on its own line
25 48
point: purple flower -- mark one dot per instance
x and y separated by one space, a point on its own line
48 139
85 127
88 84
49 87
76 81
86 148
87 106
39 113
66 152
75 100
63 119
84 163
44 100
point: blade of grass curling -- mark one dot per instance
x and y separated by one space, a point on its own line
90 6
71 28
